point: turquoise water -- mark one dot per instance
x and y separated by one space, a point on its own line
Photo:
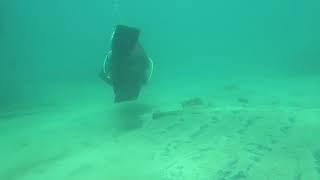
248 70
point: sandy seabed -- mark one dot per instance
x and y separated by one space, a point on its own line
236 129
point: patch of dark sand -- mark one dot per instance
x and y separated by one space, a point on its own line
231 87
38 166
192 102
243 100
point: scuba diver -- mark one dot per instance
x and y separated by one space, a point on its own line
126 67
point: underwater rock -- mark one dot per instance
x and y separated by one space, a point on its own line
192 102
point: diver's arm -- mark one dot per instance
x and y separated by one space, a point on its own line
107 64
149 71
105 73
150 68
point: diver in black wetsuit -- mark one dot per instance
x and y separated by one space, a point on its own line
127 67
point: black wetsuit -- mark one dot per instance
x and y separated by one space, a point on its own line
128 73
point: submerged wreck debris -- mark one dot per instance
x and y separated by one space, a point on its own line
192 102
163 114
186 105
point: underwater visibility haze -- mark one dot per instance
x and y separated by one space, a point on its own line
234 91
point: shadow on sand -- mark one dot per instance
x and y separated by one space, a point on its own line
129 116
